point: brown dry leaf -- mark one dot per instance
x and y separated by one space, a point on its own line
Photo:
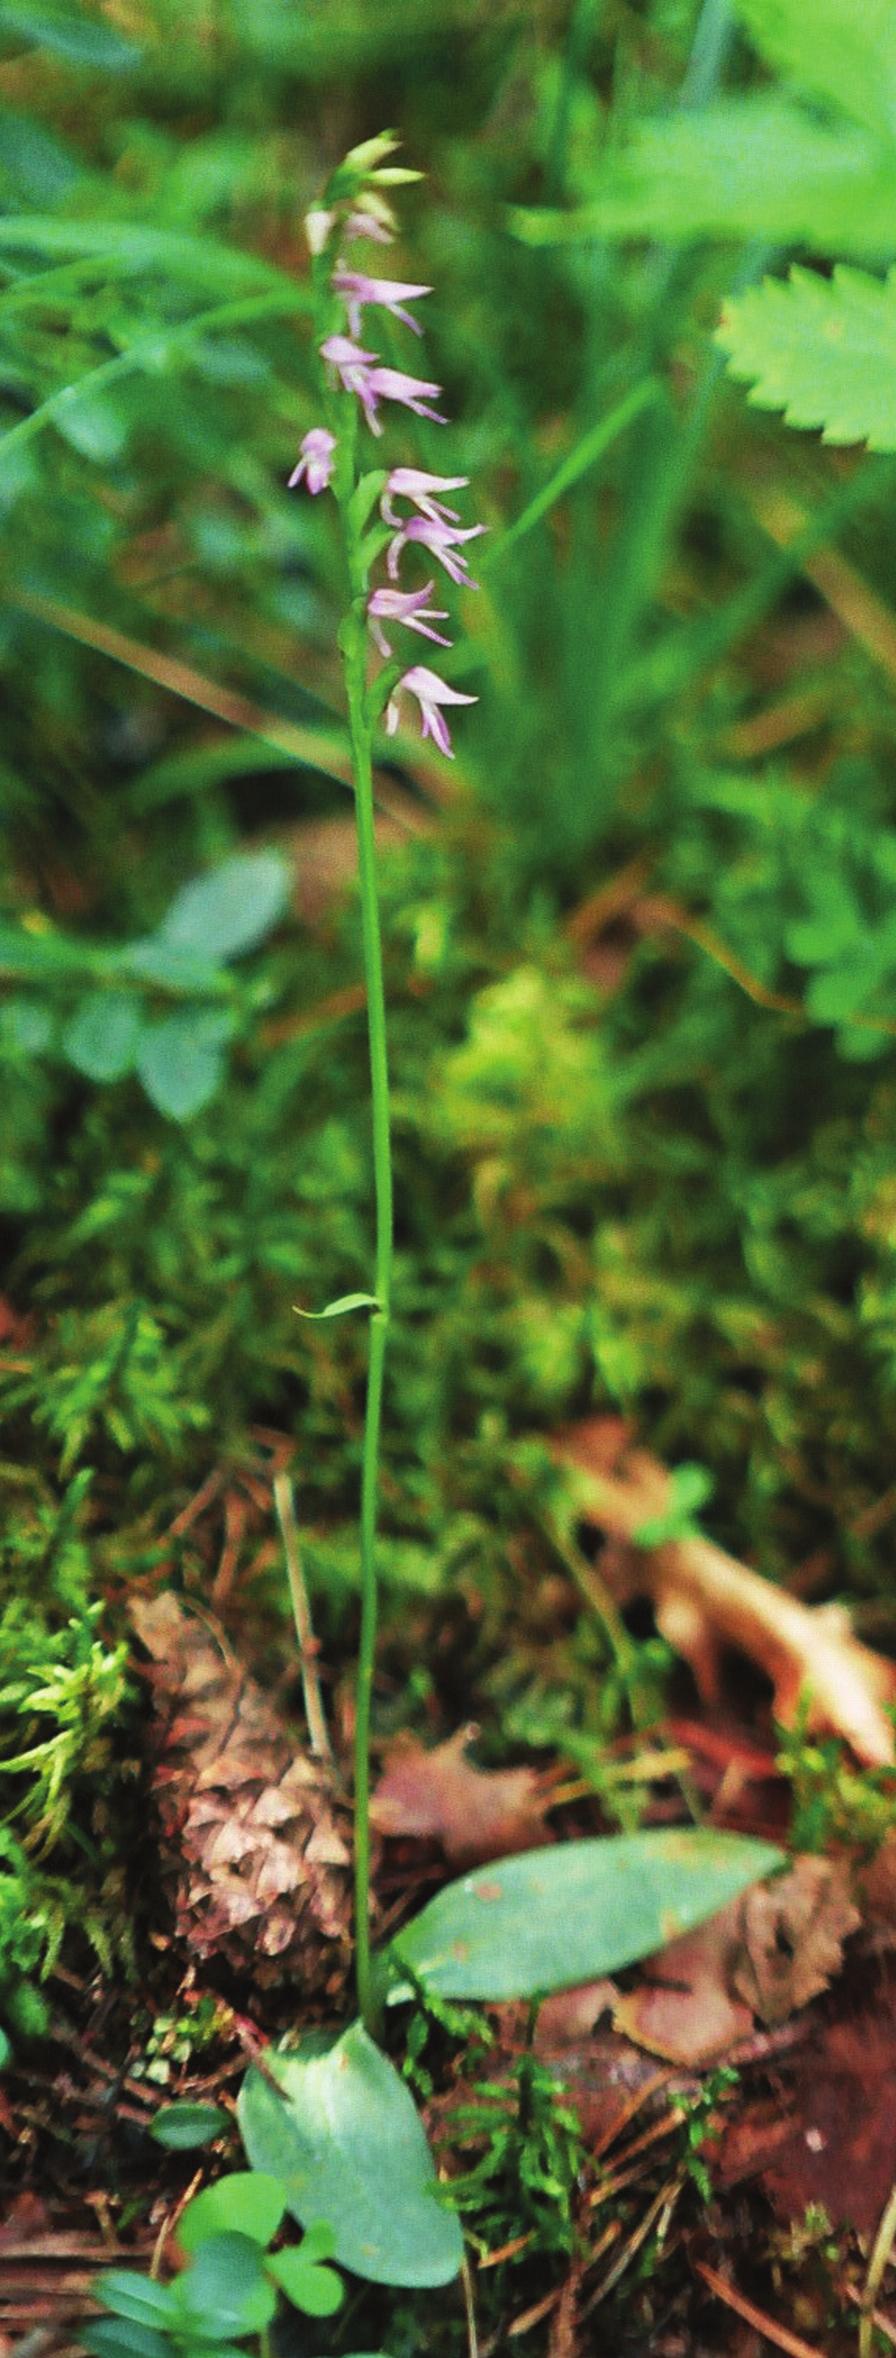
565 2019
704 1601
793 1934
257 1836
475 1814
832 2141
684 2008
761 1958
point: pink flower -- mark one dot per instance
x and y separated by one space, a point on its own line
409 607
372 225
315 464
443 541
431 694
354 369
391 384
411 483
360 372
390 293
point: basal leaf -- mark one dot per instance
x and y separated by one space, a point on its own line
547 1919
137 2298
346 2138
841 51
822 350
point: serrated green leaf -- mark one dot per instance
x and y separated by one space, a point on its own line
841 51
308 2284
346 2137
550 1918
751 167
245 2202
222 915
180 2127
102 1038
180 1063
822 350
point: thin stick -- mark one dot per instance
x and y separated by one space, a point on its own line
780 2335
881 2253
318 1734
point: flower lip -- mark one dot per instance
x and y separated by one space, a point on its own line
315 461
410 607
432 693
392 384
444 541
415 484
392 295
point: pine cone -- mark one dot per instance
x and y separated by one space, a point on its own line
261 1840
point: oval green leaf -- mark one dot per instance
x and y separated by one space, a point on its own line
222 915
224 2292
548 1919
101 1039
138 2298
114 2337
179 2127
308 2284
246 2202
347 2140
179 1060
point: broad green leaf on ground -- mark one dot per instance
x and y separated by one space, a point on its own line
179 1060
347 2140
552 1918
841 51
222 915
250 2202
746 168
137 2298
822 350
308 2283
225 2292
116 2337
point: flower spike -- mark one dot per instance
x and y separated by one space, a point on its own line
431 694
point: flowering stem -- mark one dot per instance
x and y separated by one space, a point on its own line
354 647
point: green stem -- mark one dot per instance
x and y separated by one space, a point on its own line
354 644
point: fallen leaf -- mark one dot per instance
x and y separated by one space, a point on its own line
793 1935
569 2015
684 2009
833 2141
761 1958
705 1601
475 1814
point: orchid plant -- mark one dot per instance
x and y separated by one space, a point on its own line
385 514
